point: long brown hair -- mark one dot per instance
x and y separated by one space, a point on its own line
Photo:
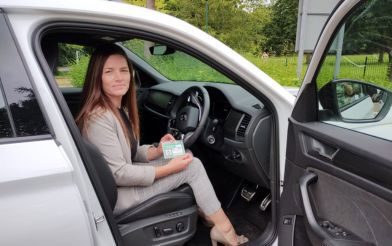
93 96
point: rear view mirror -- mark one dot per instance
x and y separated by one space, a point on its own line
353 101
161 50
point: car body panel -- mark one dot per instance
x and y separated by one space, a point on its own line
78 184
38 193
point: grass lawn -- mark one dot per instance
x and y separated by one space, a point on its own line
356 67
281 69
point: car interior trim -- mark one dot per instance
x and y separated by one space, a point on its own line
359 178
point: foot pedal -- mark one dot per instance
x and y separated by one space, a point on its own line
265 203
248 193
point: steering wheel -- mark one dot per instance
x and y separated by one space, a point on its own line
188 115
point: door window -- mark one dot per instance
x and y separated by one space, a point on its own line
354 82
5 126
174 64
71 65
17 98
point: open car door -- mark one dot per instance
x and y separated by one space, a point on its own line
338 175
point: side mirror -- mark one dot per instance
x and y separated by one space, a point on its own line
161 50
353 101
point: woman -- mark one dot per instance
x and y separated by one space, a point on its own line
109 119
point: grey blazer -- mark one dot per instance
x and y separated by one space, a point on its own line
104 131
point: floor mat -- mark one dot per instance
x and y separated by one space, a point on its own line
202 236
246 218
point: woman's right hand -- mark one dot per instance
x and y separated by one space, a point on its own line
180 163
175 165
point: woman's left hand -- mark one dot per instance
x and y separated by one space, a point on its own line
166 138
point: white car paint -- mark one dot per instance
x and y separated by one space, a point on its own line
76 201
292 90
38 193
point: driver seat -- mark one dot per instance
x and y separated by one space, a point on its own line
166 219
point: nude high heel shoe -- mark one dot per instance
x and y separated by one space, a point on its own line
218 237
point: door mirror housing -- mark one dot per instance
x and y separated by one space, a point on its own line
353 101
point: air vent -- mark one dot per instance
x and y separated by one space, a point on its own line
243 125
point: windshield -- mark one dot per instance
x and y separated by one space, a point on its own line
177 66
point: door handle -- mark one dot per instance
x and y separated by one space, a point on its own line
322 153
323 149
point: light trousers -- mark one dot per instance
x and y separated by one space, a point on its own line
195 175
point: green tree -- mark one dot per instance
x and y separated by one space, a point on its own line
281 30
190 11
68 54
238 23
371 31
159 4
234 22
260 17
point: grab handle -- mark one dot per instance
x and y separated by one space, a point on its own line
306 180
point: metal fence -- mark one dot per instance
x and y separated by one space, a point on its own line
361 67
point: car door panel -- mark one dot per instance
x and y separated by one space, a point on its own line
44 194
349 206
337 185
357 153
351 189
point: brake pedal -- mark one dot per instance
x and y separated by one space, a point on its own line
265 203
248 193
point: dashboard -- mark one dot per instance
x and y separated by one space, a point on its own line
238 127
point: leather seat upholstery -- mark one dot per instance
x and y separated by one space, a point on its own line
175 203
159 204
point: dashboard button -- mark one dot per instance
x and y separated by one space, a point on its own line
211 139
180 227
157 231
167 231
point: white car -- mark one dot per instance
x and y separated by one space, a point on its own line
288 170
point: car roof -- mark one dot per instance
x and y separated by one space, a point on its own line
102 12
90 7
71 5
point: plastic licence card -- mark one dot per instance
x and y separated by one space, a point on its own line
172 149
